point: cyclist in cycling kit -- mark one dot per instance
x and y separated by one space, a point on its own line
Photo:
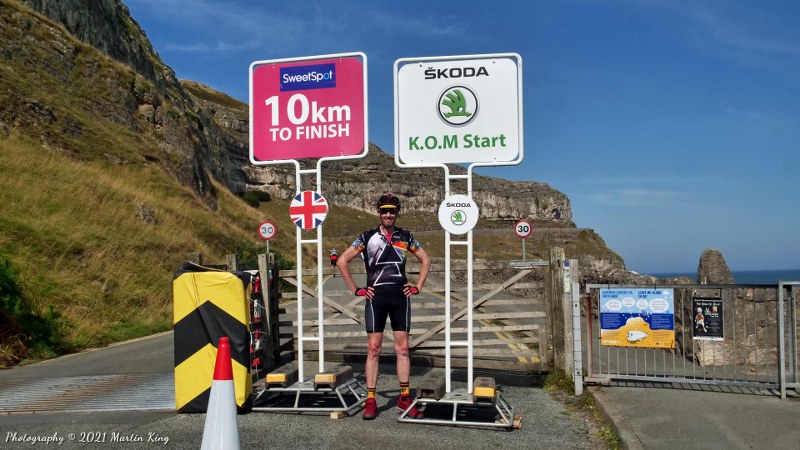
334 259
384 250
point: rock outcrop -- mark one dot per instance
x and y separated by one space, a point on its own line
107 26
712 268
144 95
749 317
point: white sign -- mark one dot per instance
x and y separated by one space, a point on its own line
458 214
267 230
523 229
451 110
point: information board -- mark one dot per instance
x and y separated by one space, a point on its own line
637 317
707 319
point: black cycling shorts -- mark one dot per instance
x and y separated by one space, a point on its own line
392 304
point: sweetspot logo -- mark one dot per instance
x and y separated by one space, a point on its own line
458 105
315 76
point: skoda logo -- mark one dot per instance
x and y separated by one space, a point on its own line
458 105
458 217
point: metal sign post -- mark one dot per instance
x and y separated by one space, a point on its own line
267 231
523 229
459 109
300 108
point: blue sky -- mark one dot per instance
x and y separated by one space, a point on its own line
672 126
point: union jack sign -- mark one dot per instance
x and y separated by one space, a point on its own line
308 210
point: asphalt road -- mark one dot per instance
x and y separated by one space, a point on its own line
546 422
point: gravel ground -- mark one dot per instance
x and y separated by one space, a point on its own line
548 421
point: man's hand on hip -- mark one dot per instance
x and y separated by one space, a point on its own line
409 290
368 292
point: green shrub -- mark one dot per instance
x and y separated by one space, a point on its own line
254 198
40 330
246 253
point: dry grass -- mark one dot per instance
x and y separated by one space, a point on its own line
71 228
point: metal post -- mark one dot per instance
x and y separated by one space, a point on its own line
470 302
589 334
320 284
447 268
320 309
781 343
299 265
576 327
792 332
567 315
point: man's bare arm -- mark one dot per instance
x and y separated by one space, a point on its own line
343 264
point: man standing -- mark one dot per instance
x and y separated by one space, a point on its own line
384 250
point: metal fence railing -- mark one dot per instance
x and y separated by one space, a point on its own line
744 335
789 295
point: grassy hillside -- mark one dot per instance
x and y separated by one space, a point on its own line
94 219
72 230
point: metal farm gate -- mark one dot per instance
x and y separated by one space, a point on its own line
508 329
754 344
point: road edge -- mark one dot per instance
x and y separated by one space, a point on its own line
627 438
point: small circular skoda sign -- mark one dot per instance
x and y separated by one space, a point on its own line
458 214
458 105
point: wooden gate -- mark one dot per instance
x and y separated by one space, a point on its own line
509 331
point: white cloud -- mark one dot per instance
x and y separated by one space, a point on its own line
636 197
656 178
211 47
229 27
234 27
750 31
759 35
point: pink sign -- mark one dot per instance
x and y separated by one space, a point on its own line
307 109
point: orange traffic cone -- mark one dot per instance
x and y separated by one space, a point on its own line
221 430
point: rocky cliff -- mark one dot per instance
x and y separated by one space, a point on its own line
142 93
56 73
355 183
199 129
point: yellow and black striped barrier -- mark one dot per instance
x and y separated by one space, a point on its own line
209 304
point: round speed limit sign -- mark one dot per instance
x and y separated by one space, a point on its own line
267 230
523 229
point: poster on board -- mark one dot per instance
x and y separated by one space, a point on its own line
707 323
637 318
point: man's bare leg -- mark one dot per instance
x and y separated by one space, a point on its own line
375 341
403 360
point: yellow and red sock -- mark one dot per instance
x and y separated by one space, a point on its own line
370 392
404 388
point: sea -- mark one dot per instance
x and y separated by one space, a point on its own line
746 276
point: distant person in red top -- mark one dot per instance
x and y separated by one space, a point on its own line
384 250
334 259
